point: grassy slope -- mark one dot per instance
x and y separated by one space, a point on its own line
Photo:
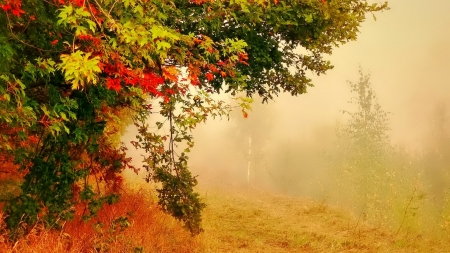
249 220
236 220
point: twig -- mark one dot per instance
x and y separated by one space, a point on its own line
92 14
171 143
406 211
112 7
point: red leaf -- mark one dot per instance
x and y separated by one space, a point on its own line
213 68
17 12
209 76
79 3
6 7
194 80
94 10
150 83
113 84
54 42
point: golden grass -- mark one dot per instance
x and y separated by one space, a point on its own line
236 220
250 220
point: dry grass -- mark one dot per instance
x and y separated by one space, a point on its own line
236 220
150 230
251 220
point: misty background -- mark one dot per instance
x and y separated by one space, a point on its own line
406 51
295 145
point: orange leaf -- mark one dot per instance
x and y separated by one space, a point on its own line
171 73
244 113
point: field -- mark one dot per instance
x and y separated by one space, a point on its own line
250 220
241 219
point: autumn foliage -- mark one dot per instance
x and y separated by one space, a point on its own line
74 73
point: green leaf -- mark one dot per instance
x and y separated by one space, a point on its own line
162 45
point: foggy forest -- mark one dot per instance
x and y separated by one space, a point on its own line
355 157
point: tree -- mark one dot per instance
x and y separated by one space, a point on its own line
69 69
363 143
367 130
375 177
251 135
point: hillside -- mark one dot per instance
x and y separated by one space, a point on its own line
250 220
236 220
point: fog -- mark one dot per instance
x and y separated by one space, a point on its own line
406 51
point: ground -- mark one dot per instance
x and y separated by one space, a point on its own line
252 220
237 219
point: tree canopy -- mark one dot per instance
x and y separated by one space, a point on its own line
74 72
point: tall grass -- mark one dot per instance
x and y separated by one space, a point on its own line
135 224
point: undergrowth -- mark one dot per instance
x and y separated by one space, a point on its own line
135 224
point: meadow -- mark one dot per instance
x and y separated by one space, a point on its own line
237 219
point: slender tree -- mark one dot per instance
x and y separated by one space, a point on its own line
363 145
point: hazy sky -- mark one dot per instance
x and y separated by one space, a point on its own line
407 52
